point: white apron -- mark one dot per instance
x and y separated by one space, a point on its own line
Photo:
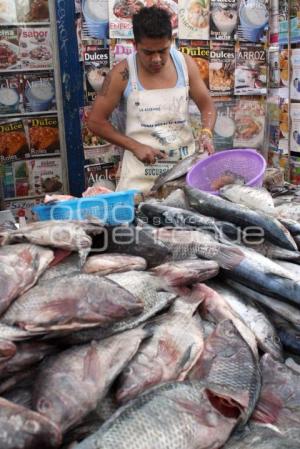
158 118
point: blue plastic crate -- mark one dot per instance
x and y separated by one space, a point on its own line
111 208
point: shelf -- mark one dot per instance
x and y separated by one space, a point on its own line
44 69
24 198
23 24
27 114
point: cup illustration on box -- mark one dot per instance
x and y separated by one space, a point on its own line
254 17
224 132
95 13
40 95
9 100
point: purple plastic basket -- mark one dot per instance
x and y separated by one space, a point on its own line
245 162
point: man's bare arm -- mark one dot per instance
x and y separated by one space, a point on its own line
106 101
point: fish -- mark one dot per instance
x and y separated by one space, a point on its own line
221 209
256 198
20 396
107 263
288 334
263 274
281 308
228 361
66 234
188 244
272 251
214 308
174 415
294 268
25 429
261 437
107 406
290 211
70 385
168 355
137 241
160 215
256 320
186 272
72 303
290 362
19 379
292 226
176 198
12 333
26 355
149 291
178 170
89 425
69 266
227 178
279 401
20 267
7 350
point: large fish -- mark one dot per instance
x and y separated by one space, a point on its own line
65 234
20 267
72 303
172 416
176 198
186 272
137 241
107 263
228 361
168 355
180 169
256 320
68 266
149 291
288 334
221 209
272 251
70 385
281 308
162 215
253 197
279 401
24 429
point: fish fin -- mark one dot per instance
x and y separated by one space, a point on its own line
186 356
4 238
91 365
229 258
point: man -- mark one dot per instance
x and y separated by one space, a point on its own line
153 85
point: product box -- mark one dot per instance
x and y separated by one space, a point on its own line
8 13
23 207
32 10
94 19
295 128
43 135
13 140
96 67
39 92
249 124
193 19
223 19
295 76
45 175
221 68
35 48
253 20
105 174
199 51
224 130
251 70
119 50
11 100
9 49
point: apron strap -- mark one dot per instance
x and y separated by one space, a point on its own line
132 71
184 69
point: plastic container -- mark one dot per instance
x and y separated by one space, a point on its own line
245 162
110 208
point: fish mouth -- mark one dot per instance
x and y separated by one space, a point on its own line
227 406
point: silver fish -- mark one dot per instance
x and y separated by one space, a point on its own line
72 303
256 198
69 266
24 429
257 321
70 385
283 309
147 288
180 169
186 272
107 263
176 198
168 355
228 361
279 401
20 267
174 416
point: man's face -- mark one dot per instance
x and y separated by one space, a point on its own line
153 53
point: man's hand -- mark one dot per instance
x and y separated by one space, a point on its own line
206 143
148 154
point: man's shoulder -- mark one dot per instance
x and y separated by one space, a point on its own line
120 73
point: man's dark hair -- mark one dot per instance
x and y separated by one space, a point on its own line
152 22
